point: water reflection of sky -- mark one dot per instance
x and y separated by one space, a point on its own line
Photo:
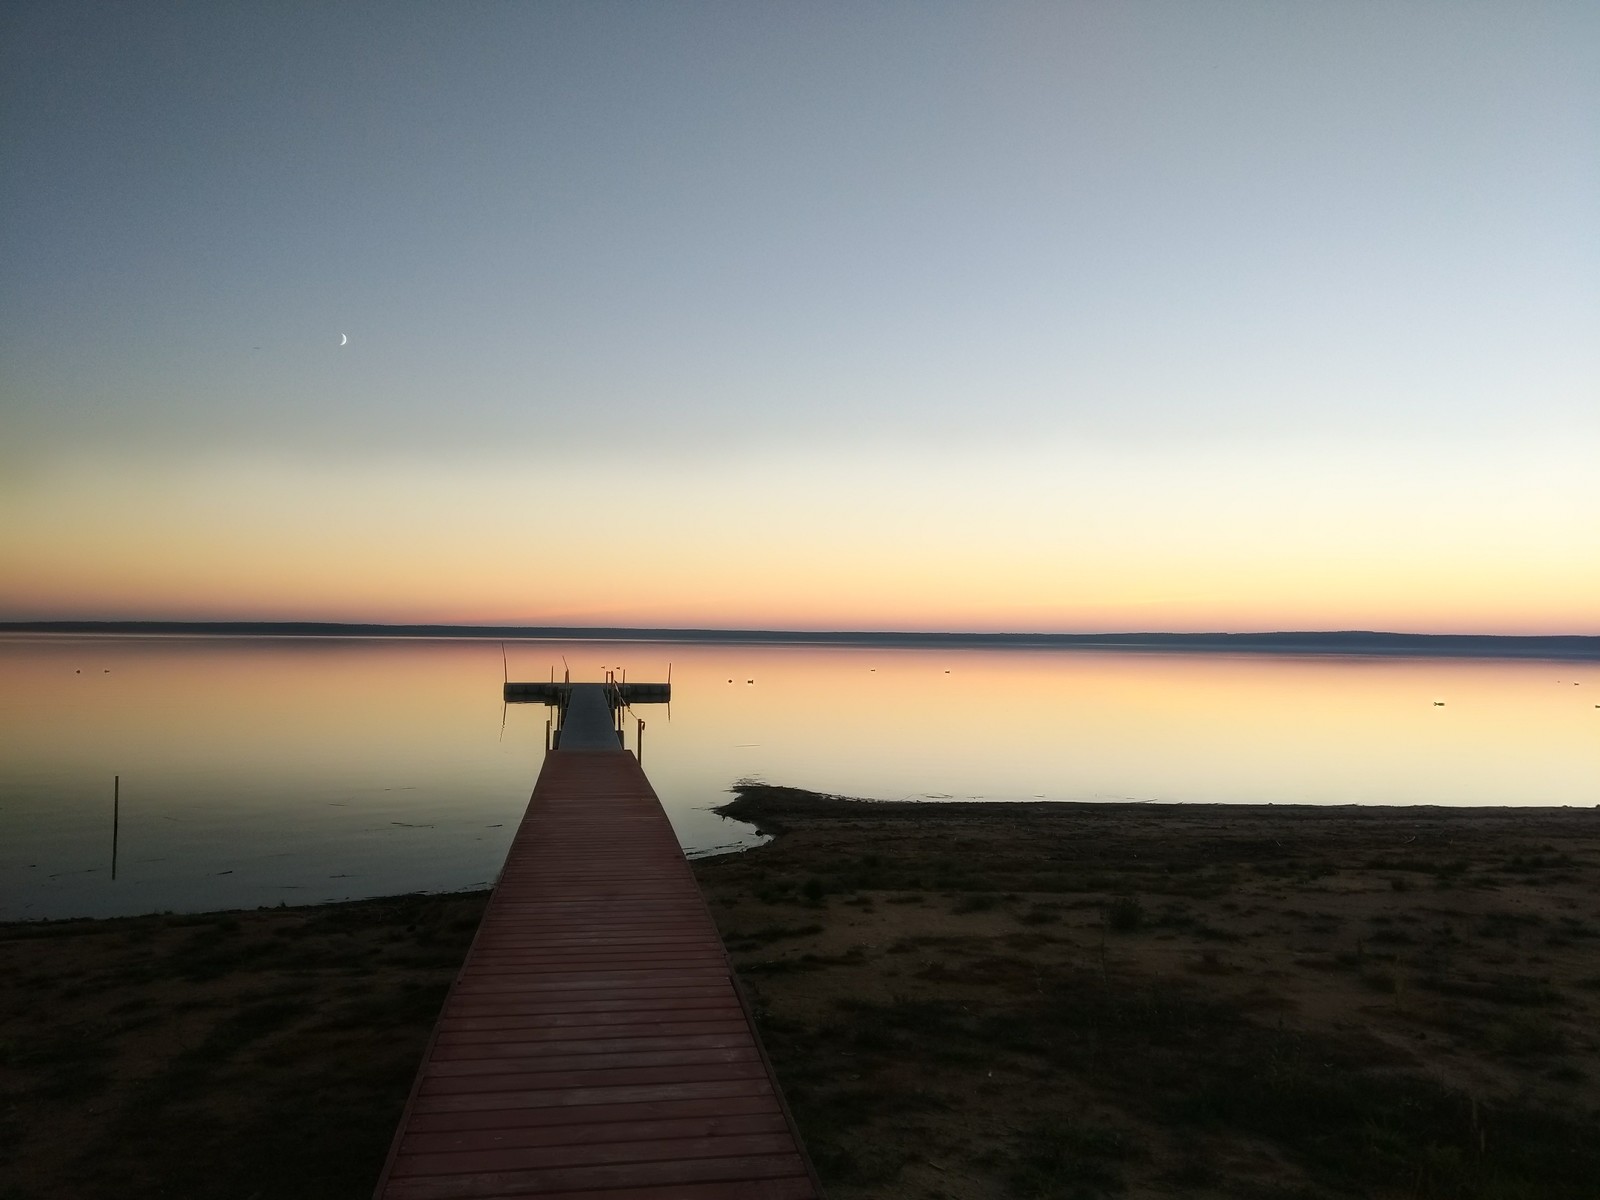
257 770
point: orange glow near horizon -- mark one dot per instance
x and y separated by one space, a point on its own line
1020 546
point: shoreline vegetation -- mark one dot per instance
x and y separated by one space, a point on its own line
1562 647
1080 1000
961 1000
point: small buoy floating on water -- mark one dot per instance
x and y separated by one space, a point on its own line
1438 703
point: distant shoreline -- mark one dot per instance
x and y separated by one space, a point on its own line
1342 642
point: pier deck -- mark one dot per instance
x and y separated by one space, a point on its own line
594 1043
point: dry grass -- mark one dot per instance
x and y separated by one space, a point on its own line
263 1054
1081 1001
961 1001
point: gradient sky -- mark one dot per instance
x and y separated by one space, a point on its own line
962 316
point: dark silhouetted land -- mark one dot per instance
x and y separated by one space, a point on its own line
1452 645
960 1000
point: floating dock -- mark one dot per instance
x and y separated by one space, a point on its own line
596 1044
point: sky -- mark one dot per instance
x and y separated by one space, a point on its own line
985 316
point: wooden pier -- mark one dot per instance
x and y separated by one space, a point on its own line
595 1043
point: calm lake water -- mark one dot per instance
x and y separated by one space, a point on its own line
255 771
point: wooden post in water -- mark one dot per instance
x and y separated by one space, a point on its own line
638 743
116 816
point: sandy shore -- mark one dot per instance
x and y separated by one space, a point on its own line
961 1001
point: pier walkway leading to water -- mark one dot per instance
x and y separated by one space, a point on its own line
594 1044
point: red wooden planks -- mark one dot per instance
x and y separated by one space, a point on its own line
594 1043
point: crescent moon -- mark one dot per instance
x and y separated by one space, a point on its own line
343 340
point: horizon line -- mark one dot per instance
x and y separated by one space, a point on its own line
1283 641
